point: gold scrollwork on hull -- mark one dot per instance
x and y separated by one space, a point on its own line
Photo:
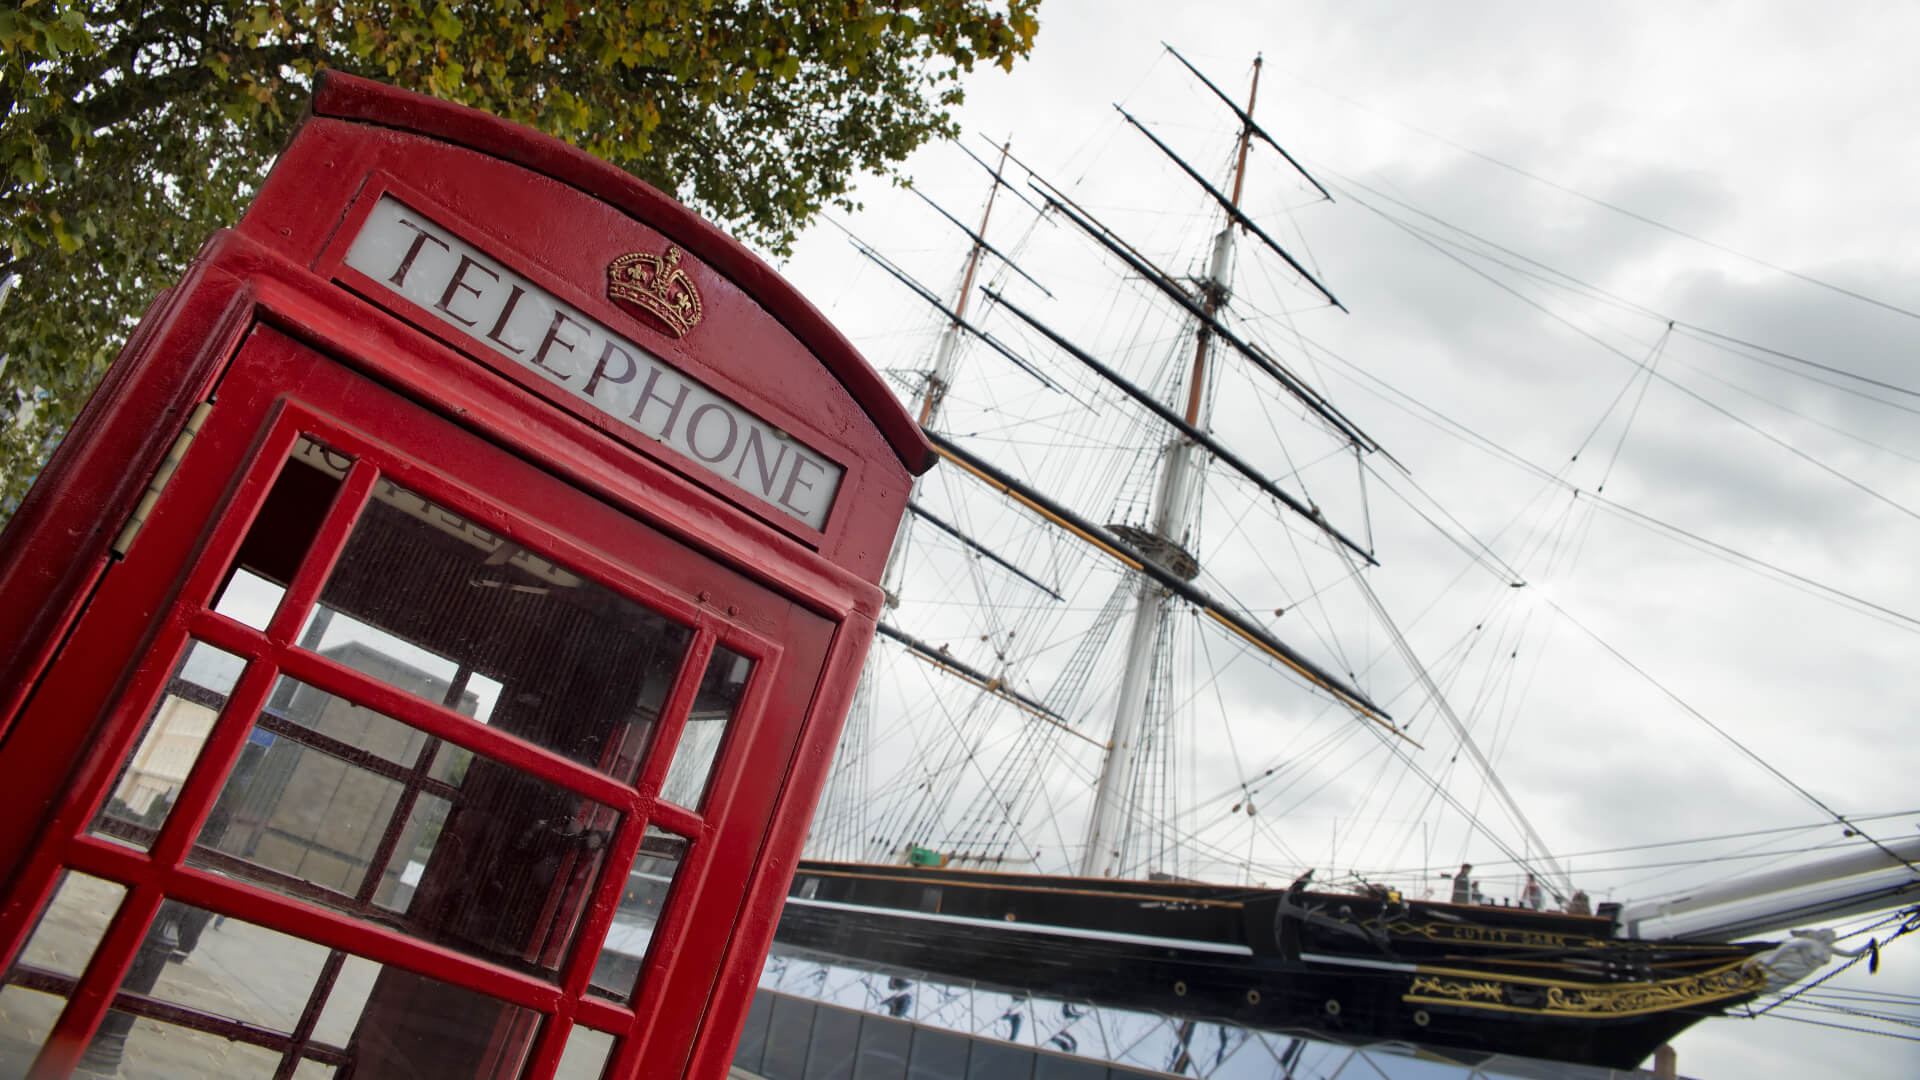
1544 998
1654 997
1454 989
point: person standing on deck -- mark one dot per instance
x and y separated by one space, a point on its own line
1463 885
1533 896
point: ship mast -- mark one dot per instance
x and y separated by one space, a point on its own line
1104 854
845 798
940 379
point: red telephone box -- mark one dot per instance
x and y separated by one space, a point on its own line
423 655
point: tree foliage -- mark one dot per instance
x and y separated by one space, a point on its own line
130 129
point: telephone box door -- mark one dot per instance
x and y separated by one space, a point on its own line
428 762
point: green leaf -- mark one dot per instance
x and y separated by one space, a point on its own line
63 238
445 23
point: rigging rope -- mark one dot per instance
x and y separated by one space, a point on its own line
1615 350
1618 209
1728 736
1870 953
1467 743
1474 438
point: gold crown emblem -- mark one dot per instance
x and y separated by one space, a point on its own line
656 285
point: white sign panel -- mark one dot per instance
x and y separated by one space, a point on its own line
478 295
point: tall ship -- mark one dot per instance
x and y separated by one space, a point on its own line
1120 656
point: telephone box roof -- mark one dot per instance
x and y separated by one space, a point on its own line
349 97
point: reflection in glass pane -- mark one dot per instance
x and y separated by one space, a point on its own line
71 926
282 532
151 778
139 1047
787 1030
348 999
334 803
409 863
486 692
26 1019
313 1070
400 1024
372 651
835 1040
352 729
249 598
713 709
306 813
649 884
225 967
429 601
585 1056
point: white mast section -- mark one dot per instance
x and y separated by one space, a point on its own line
940 379
846 783
1105 854
1869 879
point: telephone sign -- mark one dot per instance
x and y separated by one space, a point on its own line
467 290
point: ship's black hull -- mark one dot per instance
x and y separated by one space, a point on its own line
1469 981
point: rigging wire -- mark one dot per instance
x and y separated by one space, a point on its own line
1615 350
1488 778
1909 920
1844 433
1711 338
1659 525
1645 367
1563 280
1616 208
1846 1027
1714 339
1703 332
1744 749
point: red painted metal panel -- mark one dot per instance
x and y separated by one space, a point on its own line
69 739
56 545
779 855
740 792
78 1021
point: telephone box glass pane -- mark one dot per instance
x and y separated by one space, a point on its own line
334 803
225 967
393 1022
151 778
72 925
649 886
26 1019
713 711
348 999
137 1046
281 532
585 1057
576 667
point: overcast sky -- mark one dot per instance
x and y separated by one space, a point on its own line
1781 136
